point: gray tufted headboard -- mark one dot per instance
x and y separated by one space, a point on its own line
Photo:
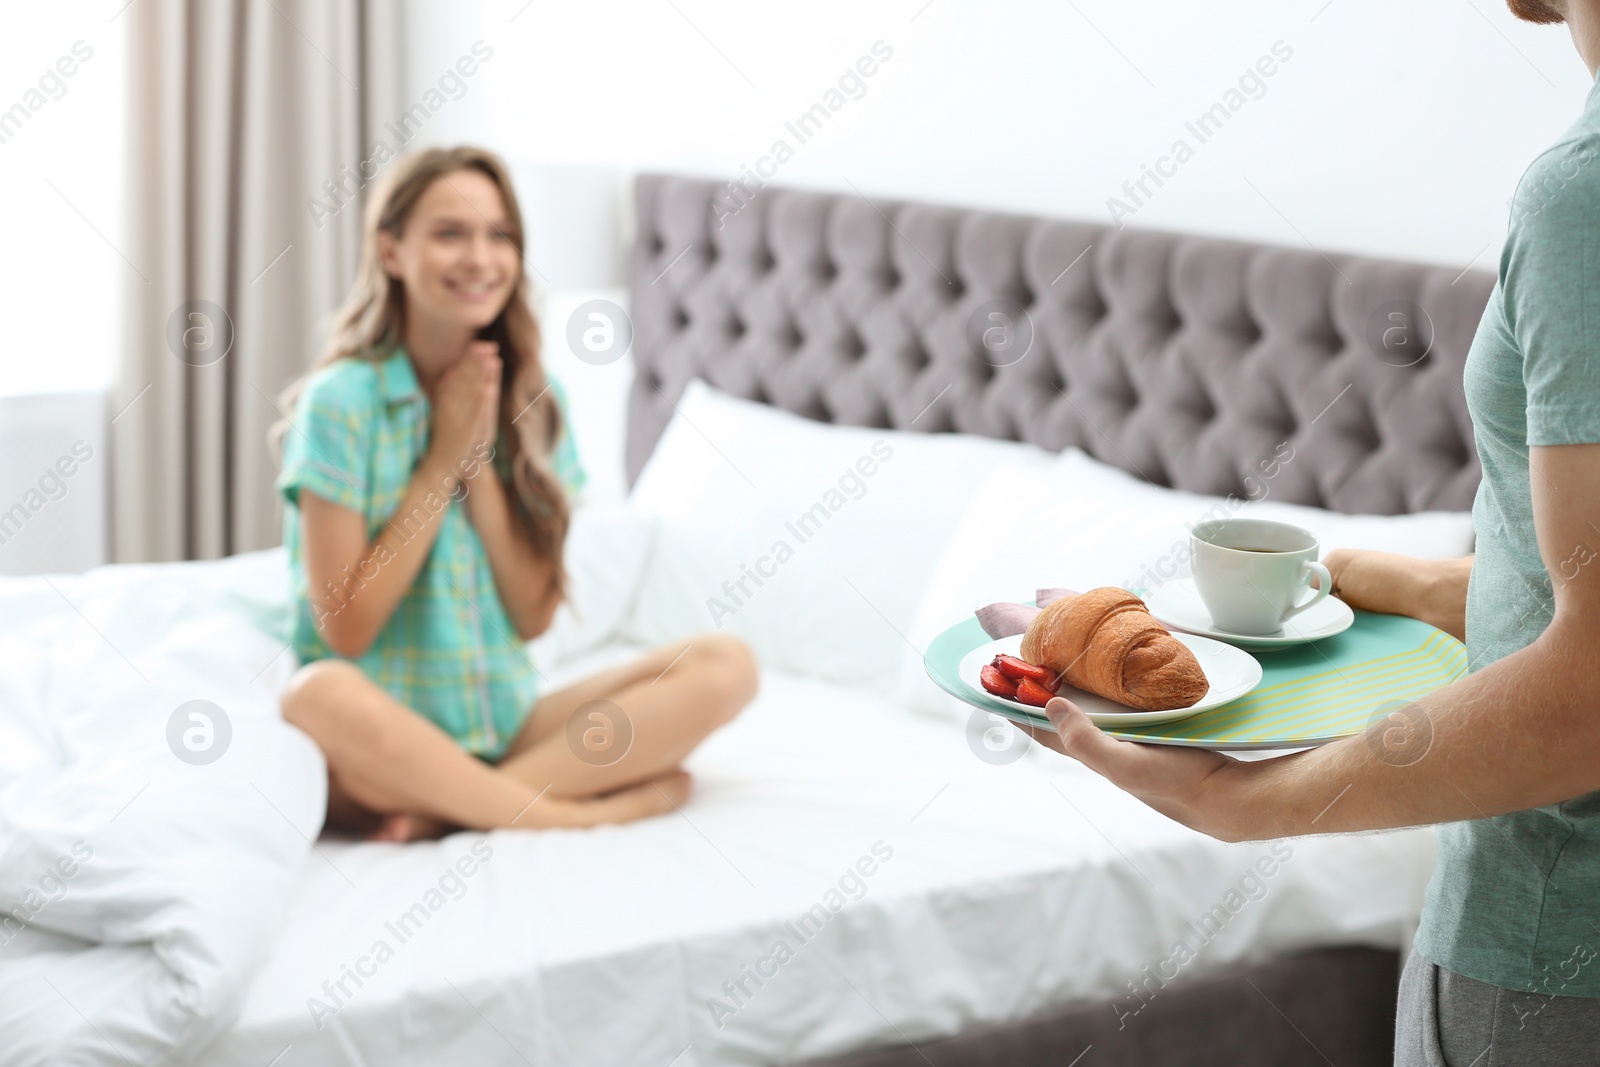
1184 360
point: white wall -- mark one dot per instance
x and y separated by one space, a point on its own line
1395 128
60 278
61 274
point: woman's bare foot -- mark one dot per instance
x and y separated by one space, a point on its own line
401 828
672 789
655 796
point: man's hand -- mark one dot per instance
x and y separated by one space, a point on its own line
1432 590
1204 790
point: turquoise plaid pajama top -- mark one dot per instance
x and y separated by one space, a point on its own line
449 651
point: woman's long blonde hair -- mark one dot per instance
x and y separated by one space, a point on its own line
371 325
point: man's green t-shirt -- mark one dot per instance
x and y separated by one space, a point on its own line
1515 900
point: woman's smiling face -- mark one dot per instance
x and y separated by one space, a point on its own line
456 256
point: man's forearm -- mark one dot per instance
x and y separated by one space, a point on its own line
1520 733
1433 590
1443 595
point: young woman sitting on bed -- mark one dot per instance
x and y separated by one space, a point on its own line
426 471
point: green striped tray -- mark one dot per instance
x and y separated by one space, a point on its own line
1309 694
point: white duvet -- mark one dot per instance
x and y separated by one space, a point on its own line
142 892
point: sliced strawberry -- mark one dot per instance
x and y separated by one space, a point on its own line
997 683
1018 669
1031 692
1012 667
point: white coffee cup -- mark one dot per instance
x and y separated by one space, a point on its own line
1251 573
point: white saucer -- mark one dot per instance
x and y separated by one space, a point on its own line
1177 604
1231 672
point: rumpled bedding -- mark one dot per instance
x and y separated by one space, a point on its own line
146 864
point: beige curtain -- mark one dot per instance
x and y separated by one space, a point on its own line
249 124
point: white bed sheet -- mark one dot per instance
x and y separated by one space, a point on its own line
1010 889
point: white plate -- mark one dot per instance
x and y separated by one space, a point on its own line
1232 673
1177 603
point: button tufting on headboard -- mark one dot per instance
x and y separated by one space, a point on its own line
1189 361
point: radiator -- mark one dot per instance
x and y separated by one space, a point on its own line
53 477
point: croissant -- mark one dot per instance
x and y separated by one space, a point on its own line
1105 642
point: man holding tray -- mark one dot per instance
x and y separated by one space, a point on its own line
1506 967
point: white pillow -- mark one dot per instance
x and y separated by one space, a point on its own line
812 541
607 549
1084 524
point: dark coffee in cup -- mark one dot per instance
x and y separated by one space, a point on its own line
1251 573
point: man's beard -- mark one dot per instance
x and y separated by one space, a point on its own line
1534 11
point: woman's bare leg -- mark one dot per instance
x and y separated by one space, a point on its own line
388 759
667 701
345 816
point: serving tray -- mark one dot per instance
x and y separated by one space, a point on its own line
1309 694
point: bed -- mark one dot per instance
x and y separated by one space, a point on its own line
930 906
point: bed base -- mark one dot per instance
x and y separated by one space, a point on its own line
1331 1006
